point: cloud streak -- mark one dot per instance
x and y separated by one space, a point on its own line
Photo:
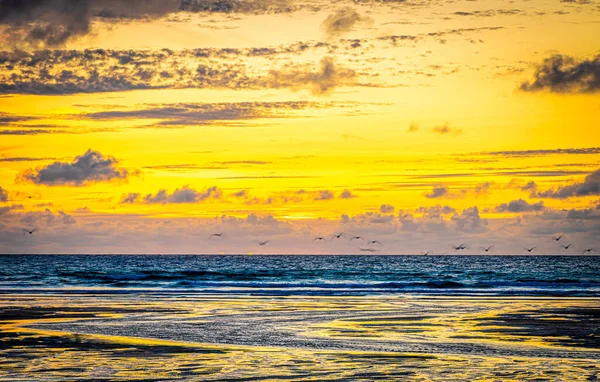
540 152
441 191
182 114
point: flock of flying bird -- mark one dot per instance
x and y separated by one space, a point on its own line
528 249
371 243
374 245
321 238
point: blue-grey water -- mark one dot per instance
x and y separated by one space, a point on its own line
303 275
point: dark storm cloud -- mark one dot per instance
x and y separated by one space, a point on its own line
185 194
590 186
342 21
44 22
91 167
51 23
565 74
25 159
520 205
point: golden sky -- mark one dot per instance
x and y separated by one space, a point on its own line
144 127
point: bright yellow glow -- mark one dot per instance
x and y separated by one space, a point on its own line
456 82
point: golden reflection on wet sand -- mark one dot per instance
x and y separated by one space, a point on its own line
145 337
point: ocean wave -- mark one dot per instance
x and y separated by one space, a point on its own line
288 275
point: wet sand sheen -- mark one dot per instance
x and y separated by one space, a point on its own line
148 337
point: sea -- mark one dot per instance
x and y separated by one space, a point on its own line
302 275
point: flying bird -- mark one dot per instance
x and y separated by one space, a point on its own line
338 235
355 237
216 234
557 238
367 249
318 238
374 242
263 242
427 253
459 247
588 250
487 249
529 249
29 231
566 246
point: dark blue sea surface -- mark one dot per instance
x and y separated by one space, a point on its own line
302 275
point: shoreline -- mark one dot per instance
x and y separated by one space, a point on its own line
297 338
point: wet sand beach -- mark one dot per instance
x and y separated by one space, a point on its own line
156 337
